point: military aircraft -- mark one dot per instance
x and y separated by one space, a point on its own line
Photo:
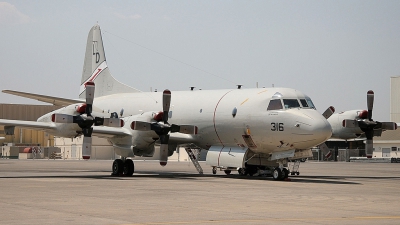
359 124
242 129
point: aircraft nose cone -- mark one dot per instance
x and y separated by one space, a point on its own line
322 130
312 128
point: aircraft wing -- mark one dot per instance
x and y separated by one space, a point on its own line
44 98
28 124
107 132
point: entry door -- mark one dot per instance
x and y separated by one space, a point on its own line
385 152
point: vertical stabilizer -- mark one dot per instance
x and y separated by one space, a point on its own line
95 68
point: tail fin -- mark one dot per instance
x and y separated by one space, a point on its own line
95 68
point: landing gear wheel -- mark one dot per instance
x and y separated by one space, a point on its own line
214 170
285 173
277 174
242 171
117 167
227 172
251 170
297 173
129 167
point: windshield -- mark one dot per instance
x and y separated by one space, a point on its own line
291 103
275 104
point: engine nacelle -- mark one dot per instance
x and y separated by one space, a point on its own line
341 132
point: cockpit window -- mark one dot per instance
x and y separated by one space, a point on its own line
304 103
310 103
291 103
275 104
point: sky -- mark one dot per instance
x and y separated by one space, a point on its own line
333 51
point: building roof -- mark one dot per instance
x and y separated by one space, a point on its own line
389 135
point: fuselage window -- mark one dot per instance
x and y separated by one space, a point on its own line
291 103
275 104
304 103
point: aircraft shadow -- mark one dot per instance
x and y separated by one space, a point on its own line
179 175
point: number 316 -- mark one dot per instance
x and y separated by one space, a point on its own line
277 126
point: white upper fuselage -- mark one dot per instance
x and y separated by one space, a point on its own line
229 117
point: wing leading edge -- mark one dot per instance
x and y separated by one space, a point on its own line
45 98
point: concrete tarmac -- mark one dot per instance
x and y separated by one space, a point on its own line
83 192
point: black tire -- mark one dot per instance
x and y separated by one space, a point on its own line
251 170
214 170
285 173
297 173
242 172
227 172
117 167
129 167
277 174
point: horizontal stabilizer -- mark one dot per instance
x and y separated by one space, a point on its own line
44 98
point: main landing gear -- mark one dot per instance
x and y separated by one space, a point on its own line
280 174
123 167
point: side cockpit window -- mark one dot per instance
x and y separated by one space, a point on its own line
304 103
310 103
291 103
275 104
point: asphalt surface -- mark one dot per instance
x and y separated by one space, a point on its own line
83 192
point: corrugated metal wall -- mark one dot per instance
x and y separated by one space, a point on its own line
30 113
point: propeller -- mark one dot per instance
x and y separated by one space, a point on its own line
368 125
328 112
86 121
163 128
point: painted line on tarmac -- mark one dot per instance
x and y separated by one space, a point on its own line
269 220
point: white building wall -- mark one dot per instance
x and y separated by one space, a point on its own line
378 149
71 148
395 99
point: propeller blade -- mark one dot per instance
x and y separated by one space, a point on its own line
62 118
86 147
89 97
369 148
113 122
370 103
188 129
389 126
163 154
350 123
166 104
328 112
140 125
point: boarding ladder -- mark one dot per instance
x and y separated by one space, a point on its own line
194 160
295 168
